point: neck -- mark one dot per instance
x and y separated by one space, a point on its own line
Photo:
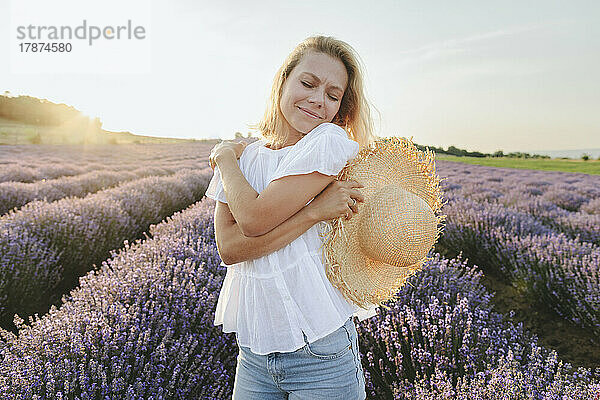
289 135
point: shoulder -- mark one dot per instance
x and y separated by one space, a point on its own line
251 148
254 143
330 139
329 128
248 156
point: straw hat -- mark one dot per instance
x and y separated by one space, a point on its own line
369 257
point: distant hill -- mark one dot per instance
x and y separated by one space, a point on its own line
29 120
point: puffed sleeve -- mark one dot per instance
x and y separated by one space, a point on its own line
327 149
215 187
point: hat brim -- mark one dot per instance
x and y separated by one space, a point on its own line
360 279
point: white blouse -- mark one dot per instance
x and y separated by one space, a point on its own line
271 300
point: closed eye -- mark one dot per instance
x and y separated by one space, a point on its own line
310 86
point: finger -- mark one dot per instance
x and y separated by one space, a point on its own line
357 195
353 183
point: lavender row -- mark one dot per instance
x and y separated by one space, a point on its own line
16 194
34 155
581 225
568 203
443 324
142 327
67 169
27 163
541 377
575 224
561 272
567 191
45 247
56 170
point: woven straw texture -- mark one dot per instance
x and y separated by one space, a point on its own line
369 257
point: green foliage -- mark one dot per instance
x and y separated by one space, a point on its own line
567 165
455 151
37 139
34 111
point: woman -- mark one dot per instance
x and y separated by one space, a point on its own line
295 331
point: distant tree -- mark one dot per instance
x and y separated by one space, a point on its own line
36 111
585 157
456 151
37 139
475 154
238 135
453 150
96 123
519 154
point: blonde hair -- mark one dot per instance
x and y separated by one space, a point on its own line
354 114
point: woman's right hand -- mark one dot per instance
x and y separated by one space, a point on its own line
336 201
236 146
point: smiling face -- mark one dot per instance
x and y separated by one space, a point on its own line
312 94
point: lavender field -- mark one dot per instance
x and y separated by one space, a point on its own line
45 245
142 259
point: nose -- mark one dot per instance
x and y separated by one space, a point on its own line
317 98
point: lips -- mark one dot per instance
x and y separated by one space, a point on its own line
311 114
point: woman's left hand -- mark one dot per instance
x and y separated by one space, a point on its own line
236 146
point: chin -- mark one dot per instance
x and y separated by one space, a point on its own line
304 127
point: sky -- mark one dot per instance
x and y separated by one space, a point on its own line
482 76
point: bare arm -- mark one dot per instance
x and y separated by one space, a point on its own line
235 247
259 214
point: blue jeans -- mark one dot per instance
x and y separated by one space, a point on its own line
328 368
